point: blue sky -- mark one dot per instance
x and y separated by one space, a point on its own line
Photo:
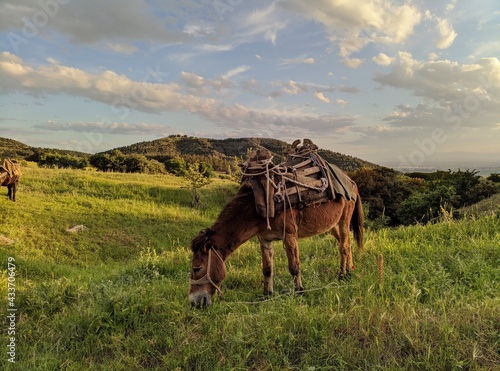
399 83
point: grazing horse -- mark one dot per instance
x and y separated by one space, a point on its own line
10 173
239 221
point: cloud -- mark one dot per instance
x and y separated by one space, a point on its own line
211 48
288 126
124 95
341 102
433 56
443 80
93 21
352 62
488 49
126 49
321 97
352 25
383 132
236 71
263 22
292 87
451 6
198 85
348 89
457 95
106 128
446 32
382 59
301 60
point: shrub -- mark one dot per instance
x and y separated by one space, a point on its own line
422 207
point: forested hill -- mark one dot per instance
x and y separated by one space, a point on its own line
217 152
182 147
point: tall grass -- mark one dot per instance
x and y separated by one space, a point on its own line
114 296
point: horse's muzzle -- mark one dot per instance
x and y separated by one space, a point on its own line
200 299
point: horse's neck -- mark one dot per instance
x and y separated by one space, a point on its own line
236 224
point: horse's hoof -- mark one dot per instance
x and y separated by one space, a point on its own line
299 290
268 293
344 276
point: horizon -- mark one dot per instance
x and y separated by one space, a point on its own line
409 84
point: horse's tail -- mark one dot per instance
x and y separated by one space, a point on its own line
358 222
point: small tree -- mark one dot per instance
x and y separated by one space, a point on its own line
196 176
495 177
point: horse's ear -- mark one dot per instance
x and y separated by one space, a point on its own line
201 240
207 242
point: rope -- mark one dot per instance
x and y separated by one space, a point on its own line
206 278
268 179
275 297
280 171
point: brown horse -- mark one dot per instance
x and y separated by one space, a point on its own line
239 221
10 173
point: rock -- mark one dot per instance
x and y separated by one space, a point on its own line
5 241
76 228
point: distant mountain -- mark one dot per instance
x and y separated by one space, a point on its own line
190 149
183 146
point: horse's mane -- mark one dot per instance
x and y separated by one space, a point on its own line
242 201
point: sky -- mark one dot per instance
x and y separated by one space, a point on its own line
398 83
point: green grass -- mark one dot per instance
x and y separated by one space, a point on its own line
114 296
488 206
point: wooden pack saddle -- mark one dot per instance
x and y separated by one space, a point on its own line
304 178
11 168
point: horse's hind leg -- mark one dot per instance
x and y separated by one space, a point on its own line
10 192
267 265
341 233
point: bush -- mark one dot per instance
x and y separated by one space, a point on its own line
495 178
118 162
177 166
59 160
383 190
422 207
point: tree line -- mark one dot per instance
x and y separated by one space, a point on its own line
403 199
391 198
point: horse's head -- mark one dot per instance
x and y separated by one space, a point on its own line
208 270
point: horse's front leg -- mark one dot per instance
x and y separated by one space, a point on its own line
267 265
292 253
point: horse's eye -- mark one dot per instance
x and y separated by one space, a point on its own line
196 269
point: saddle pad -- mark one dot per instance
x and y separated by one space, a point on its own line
340 182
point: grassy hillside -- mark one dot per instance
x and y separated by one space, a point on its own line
488 206
114 296
13 149
10 148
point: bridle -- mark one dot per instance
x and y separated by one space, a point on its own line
206 278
